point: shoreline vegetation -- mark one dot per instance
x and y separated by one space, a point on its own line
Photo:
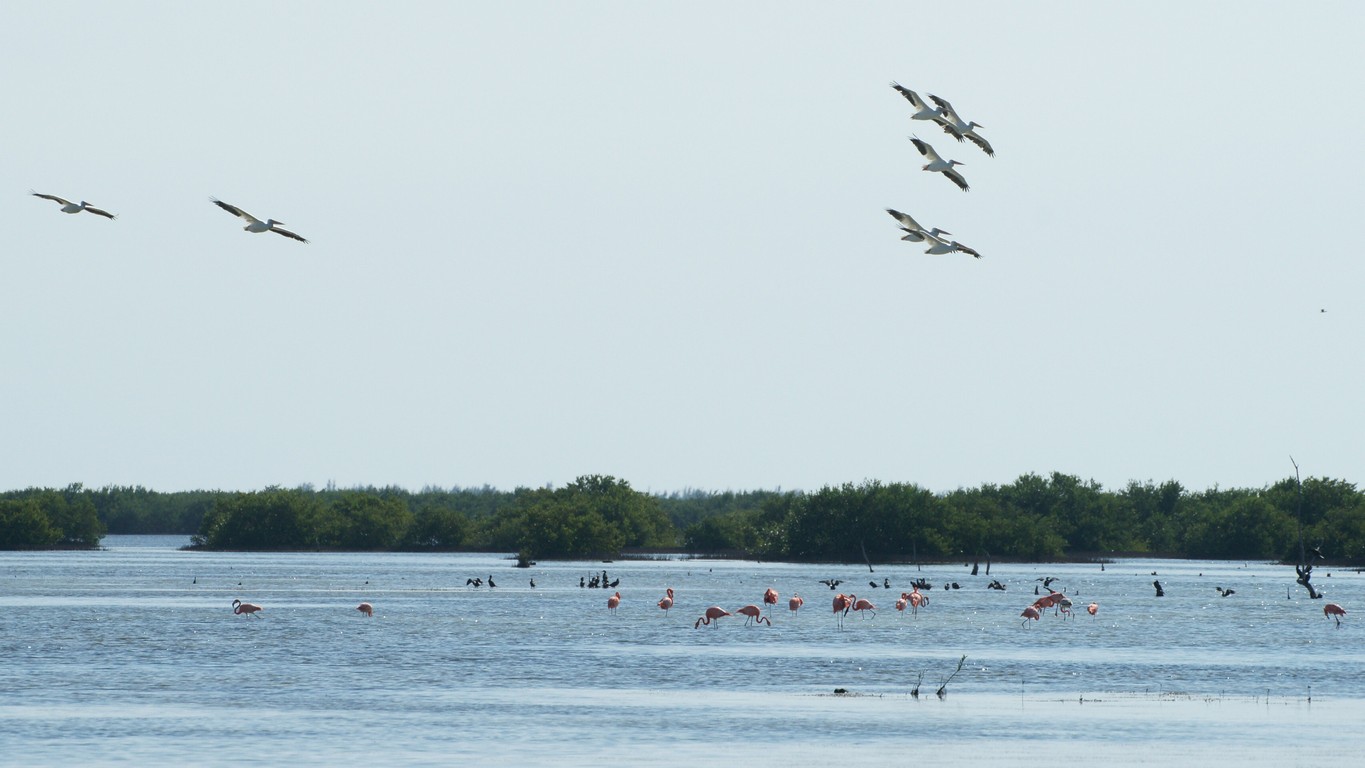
1036 518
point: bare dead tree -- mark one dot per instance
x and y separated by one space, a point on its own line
1304 569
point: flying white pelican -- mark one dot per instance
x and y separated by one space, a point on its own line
937 164
70 207
922 110
254 224
912 229
939 245
955 126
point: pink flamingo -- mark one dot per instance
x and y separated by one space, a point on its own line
613 602
755 617
917 600
861 605
1335 611
712 614
1047 601
1092 609
239 608
770 597
1030 612
795 603
366 609
667 602
842 604
903 601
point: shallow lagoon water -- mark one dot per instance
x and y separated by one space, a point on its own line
131 655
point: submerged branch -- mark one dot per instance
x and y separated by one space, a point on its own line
943 689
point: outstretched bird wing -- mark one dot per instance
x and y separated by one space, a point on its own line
51 197
943 104
909 95
234 210
957 179
99 212
981 142
289 234
926 150
908 223
964 249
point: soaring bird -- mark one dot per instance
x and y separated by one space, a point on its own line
70 207
958 128
937 164
922 110
938 245
914 232
254 224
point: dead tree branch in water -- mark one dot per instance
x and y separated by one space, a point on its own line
943 689
1303 569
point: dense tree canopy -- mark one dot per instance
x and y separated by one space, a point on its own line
43 518
1033 518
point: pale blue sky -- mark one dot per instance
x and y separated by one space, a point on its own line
648 240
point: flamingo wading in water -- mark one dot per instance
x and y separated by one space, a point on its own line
842 604
917 599
860 605
1030 612
770 596
754 615
613 602
1335 611
795 603
712 614
250 609
666 603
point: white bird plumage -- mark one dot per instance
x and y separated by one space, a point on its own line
254 224
914 231
937 164
939 245
922 110
70 207
955 126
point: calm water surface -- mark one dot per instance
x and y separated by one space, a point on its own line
132 655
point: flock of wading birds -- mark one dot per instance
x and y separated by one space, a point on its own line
842 605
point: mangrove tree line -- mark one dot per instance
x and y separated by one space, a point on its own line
1033 518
